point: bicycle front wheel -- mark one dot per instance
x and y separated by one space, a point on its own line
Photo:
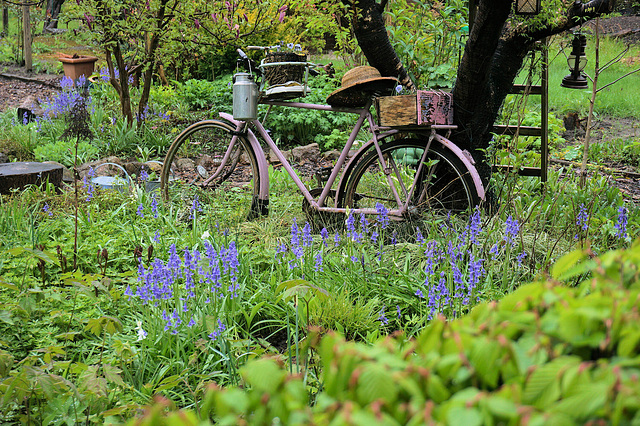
208 160
443 183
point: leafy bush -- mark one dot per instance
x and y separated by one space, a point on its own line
428 38
548 353
201 94
63 152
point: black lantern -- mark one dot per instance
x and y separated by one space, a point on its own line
577 60
527 7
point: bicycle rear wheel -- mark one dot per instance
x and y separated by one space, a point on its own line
208 160
443 185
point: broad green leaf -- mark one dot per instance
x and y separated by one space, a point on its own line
484 357
502 408
94 325
585 402
8 285
263 375
112 374
436 390
376 382
458 416
565 267
6 317
629 342
6 363
543 386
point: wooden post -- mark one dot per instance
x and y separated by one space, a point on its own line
5 19
26 36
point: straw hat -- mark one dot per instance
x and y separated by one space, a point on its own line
358 85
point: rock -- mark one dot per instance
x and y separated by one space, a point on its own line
133 168
153 167
332 155
30 109
309 152
102 170
185 164
274 159
67 175
206 161
3 158
19 175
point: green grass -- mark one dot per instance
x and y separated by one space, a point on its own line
618 100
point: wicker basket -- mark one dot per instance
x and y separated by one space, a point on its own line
280 74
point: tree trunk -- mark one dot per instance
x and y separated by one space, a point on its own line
5 20
153 41
121 84
373 40
52 12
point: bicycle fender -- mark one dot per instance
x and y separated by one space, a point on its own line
467 160
263 167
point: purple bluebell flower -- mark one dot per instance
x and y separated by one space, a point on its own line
195 207
140 211
324 234
494 250
419 237
621 225
382 317
394 239
419 293
281 249
306 235
66 83
374 236
582 220
296 249
144 175
336 239
476 270
47 210
218 331
521 257
430 255
154 205
512 230
474 227
399 312
383 215
191 323
156 237
364 228
318 265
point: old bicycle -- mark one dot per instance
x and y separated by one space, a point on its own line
408 169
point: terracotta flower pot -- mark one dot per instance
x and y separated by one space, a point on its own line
77 65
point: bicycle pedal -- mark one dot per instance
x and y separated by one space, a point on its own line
323 174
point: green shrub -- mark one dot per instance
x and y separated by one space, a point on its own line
201 94
64 151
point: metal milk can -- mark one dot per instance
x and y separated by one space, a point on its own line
245 97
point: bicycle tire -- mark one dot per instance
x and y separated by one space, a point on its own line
445 186
206 143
